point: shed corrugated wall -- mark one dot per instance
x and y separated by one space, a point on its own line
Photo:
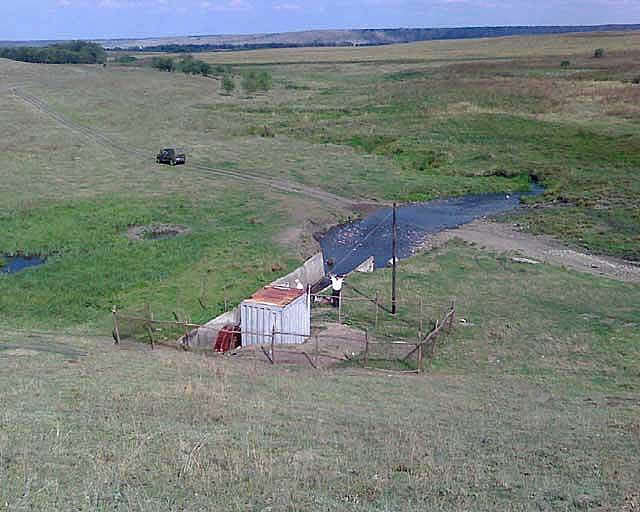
257 321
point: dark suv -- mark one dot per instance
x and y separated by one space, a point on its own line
171 156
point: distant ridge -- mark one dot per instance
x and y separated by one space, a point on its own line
350 37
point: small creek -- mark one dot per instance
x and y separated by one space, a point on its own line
350 244
12 264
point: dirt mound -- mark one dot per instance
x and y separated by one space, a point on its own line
156 231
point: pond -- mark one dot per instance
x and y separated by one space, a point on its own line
350 244
13 264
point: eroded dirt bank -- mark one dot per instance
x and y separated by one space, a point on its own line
503 237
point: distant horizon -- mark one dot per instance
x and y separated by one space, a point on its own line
48 20
295 31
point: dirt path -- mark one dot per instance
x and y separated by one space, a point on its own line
106 141
509 238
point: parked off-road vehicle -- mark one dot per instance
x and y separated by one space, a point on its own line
171 156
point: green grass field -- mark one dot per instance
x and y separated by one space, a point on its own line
531 404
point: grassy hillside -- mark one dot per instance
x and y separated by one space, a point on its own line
530 405
417 122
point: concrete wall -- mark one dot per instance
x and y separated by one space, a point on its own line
310 272
205 336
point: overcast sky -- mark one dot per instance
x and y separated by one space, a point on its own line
67 19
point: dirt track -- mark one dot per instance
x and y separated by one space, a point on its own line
509 238
122 148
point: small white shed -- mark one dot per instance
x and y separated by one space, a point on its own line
287 310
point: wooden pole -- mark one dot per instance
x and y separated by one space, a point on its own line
148 316
420 367
309 359
453 313
376 325
420 317
340 306
366 347
266 354
317 350
116 327
394 257
273 340
185 344
433 345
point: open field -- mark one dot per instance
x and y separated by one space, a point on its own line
566 45
530 404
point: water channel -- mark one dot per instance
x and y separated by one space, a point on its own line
350 244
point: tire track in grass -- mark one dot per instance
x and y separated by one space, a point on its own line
105 141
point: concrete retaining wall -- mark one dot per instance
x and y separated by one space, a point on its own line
310 272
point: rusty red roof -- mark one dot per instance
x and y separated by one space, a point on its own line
276 296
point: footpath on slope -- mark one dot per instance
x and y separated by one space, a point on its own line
503 237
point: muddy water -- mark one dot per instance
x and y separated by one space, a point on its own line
12 264
350 244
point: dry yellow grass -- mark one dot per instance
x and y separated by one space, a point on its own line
466 49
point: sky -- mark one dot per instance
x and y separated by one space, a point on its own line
92 19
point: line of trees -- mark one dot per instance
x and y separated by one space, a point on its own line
74 52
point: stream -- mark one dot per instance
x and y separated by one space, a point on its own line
350 244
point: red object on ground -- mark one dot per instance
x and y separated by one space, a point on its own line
228 338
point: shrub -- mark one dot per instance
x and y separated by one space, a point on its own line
598 53
163 63
228 84
125 59
253 81
565 64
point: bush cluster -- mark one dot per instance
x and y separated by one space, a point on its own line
187 65
74 52
253 81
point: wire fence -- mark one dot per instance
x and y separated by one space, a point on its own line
354 329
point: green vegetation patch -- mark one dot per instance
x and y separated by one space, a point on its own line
511 317
94 265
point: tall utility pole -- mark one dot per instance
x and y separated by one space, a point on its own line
394 257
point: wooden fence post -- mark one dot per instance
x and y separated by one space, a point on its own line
453 313
116 327
340 307
316 340
376 324
149 318
273 340
366 347
420 365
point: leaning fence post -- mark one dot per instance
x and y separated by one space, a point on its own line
366 347
116 327
453 313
